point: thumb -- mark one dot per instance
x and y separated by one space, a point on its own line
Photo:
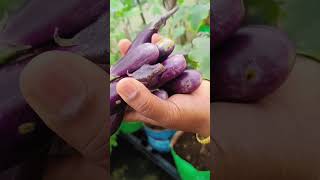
136 95
69 94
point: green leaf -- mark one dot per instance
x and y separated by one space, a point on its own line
302 24
179 31
197 14
200 52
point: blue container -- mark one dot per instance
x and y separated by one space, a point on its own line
165 134
162 146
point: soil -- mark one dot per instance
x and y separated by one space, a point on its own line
195 153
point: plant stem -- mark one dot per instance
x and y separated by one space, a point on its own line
141 13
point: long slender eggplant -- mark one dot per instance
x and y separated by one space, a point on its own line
146 53
35 23
22 133
115 120
91 42
166 47
145 35
149 75
146 74
186 83
175 65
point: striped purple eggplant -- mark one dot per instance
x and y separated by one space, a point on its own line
145 35
146 53
175 65
35 23
186 83
166 47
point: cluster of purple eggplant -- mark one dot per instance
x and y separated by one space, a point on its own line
154 65
250 62
78 26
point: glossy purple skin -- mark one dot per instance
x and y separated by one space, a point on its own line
227 18
149 75
115 121
161 94
186 83
29 26
92 42
145 35
175 65
146 53
115 100
254 63
22 133
166 47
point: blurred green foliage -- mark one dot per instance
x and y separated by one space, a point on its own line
187 27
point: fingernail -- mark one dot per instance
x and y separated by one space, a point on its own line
60 93
128 90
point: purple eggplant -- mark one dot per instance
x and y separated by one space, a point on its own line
186 83
227 16
161 94
145 35
252 64
146 53
35 23
22 133
149 75
91 42
116 102
115 120
175 65
165 46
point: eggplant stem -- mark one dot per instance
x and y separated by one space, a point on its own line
4 20
63 42
158 23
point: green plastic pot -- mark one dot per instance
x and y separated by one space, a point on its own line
130 127
186 170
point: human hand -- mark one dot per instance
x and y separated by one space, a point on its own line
190 113
69 93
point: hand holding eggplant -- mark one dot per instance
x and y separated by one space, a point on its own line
187 112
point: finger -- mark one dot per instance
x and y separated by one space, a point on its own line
155 38
136 95
124 45
69 94
137 117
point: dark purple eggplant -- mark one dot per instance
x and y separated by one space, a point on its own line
22 133
146 53
165 46
186 83
116 120
149 75
174 65
161 94
227 16
145 35
29 26
252 64
91 42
